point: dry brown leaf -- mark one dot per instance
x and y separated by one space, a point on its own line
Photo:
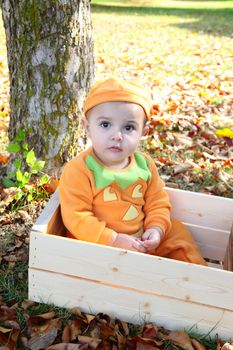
7 313
181 339
150 331
182 168
24 215
76 327
10 258
89 318
7 196
4 158
43 340
66 338
65 346
5 330
48 315
11 324
92 342
27 304
122 326
198 345
76 311
121 341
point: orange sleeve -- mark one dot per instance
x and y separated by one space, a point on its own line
157 205
76 198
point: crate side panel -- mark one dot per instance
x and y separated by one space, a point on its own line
128 305
201 209
211 242
133 270
41 224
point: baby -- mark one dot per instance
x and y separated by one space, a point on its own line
111 193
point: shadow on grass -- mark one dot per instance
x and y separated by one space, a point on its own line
210 21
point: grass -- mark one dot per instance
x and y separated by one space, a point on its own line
13 284
197 15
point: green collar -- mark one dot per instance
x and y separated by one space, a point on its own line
104 177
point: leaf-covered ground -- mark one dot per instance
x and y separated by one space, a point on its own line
182 51
185 56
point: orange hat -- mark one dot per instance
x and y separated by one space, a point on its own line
115 90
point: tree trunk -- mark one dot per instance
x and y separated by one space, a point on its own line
50 58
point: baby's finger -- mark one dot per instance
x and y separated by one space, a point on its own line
139 247
151 244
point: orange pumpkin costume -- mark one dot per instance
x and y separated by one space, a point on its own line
96 200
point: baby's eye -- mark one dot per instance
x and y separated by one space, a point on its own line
105 125
129 127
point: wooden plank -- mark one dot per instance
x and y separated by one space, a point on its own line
201 209
132 270
128 305
211 242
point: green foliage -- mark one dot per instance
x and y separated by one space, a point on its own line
26 173
27 160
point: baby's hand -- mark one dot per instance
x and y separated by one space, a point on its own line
129 242
151 238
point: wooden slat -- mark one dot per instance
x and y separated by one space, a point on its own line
212 242
133 270
201 209
128 305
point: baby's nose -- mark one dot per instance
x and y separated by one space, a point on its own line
117 136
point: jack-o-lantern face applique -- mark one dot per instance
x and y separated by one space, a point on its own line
109 196
132 213
136 192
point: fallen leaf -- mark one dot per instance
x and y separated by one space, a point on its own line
5 330
92 342
43 340
182 168
181 339
198 345
24 215
7 313
66 336
65 346
7 196
4 159
44 336
150 331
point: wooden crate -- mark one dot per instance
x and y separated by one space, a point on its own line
137 287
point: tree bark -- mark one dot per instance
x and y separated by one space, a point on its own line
50 58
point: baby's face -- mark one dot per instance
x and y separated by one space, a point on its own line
115 129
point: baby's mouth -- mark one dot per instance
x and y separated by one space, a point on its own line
115 149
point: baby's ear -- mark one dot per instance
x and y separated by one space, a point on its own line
85 124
